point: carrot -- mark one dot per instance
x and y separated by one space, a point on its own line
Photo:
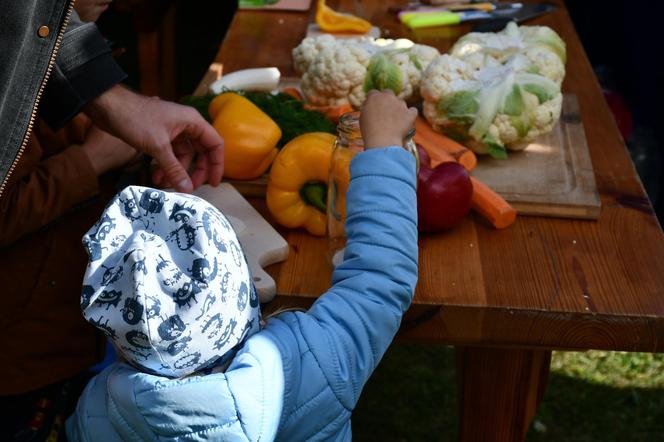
485 201
491 205
436 142
293 92
333 113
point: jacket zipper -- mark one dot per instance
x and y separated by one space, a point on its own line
33 114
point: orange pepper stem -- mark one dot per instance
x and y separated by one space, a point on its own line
314 193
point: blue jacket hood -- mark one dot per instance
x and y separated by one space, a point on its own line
244 403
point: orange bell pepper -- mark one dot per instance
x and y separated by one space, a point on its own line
297 187
331 21
250 136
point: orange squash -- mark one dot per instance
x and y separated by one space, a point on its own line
331 21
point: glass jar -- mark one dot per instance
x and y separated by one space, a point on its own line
349 143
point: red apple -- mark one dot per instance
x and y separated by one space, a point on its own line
444 196
425 160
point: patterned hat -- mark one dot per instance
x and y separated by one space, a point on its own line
167 282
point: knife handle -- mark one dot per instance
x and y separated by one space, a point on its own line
426 20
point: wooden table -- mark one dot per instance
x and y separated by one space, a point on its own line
505 299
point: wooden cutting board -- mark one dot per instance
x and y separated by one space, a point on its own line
261 243
553 176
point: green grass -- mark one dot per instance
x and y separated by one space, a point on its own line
592 396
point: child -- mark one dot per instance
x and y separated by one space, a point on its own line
167 283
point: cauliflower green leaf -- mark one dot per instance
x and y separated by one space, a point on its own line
495 149
382 74
460 107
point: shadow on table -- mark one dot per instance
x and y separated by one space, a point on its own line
411 397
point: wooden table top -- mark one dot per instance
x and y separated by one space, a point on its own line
543 282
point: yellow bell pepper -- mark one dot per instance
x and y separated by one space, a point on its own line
250 136
331 21
297 186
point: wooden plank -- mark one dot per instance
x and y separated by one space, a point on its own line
499 389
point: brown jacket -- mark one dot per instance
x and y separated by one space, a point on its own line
47 206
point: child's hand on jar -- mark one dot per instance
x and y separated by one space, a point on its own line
385 120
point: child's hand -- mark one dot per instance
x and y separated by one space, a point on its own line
385 120
105 151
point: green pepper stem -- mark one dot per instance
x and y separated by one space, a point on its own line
314 193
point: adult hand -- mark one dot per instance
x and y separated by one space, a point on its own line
170 133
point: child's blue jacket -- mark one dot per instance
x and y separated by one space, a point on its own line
301 376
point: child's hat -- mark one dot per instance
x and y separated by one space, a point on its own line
167 282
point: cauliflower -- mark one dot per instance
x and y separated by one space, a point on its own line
336 75
496 90
308 50
341 71
543 49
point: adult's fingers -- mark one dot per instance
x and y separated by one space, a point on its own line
173 170
214 163
200 173
205 140
158 177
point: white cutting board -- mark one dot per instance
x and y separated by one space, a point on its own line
262 244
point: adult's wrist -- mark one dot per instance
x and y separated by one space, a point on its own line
110 106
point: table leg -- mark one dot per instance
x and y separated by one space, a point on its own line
498 391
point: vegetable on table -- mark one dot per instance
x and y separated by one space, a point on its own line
331 21
444 195
333 113
496 91
250 136
492 206
485 201
435 141
293 92
254 79
288 112
342 71
291 115
297 186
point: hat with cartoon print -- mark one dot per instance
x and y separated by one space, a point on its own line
167 282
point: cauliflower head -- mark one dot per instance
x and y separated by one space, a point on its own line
540 46
491 107
342 71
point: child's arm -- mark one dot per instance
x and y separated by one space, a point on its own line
336 345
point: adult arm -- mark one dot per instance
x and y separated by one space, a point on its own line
35 197
85 77
84 69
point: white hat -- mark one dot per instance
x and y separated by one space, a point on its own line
168 282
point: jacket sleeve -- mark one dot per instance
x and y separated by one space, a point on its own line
41 195
84 69
341 339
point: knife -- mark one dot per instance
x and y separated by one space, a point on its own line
494 20
428 17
